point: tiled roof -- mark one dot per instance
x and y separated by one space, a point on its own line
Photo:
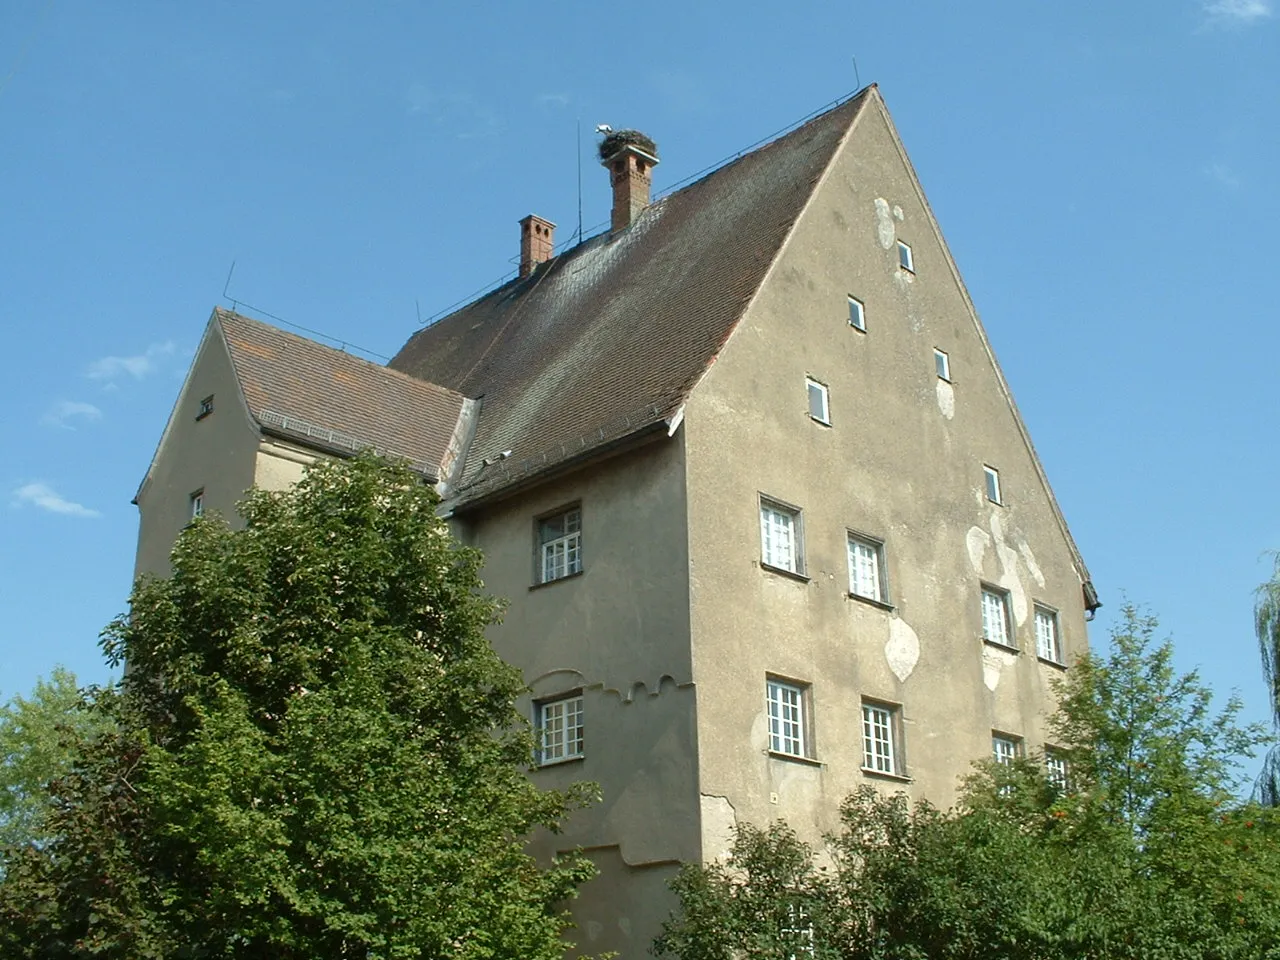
610 336
297 387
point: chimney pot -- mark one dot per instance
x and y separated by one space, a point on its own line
537 240
630 157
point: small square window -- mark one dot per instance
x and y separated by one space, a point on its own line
942 364
1004 748
206 407
781 543
857 314
819 408
787 702
866 568
560 729
560 545
881 744
1048 643
1055 768
905 260
992 476
197 504
995 617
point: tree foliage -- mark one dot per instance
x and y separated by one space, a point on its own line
1266 621
315 753
1145 854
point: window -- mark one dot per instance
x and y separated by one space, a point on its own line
905 260
786 718
559 725
880 753
798 931
560 545
818 408
866 577
1055 767
197 504
942 363
780 543
857 314
206 407
992 476
1004 748
995 617
1048 644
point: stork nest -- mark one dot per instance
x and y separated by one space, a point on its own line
615 141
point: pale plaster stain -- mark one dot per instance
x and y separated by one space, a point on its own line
594 929
1007 557
902 649
993 663
977 540
946 398
1029 558
885 231
624 924
897 213
719 821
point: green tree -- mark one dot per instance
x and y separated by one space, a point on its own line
1266 621
315 753
1145 854
39 735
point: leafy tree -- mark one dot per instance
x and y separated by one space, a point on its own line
315 753
38 737
1266 620
1144 855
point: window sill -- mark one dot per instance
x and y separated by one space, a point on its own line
821 423
854 326
794 758
873 602
543 764
1056 664
881 775
782 571
1000 646
201 416
547 583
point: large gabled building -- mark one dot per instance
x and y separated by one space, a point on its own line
745 467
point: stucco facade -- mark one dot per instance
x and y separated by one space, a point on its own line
675 623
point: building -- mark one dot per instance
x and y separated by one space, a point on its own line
745 466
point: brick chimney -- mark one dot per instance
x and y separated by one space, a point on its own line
537 238
630 157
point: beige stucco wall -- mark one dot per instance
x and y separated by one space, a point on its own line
619 632
902 461
216 453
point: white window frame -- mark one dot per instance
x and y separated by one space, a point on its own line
991 484
866 568
197 504
559 556
857 314
1056 769
561 729
1005 749
906 260
800 927
781 536
995 611
786 705
816 388
942 364
1048 636
881 746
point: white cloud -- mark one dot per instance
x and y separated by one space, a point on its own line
553 100
64 411
137 366
1237 11
43 496
1223 175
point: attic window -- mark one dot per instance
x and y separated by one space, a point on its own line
819 407
857 314
905 260
206 407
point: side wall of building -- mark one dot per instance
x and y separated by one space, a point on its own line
214 455
902 464
618 632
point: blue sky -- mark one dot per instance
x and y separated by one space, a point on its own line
1106 175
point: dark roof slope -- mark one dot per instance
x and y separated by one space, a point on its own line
610 336
297 387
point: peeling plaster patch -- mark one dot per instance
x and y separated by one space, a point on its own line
594 929
993 663
946 399
902 649
977 540
884 223
897 213
1029 558
719 822
624 924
